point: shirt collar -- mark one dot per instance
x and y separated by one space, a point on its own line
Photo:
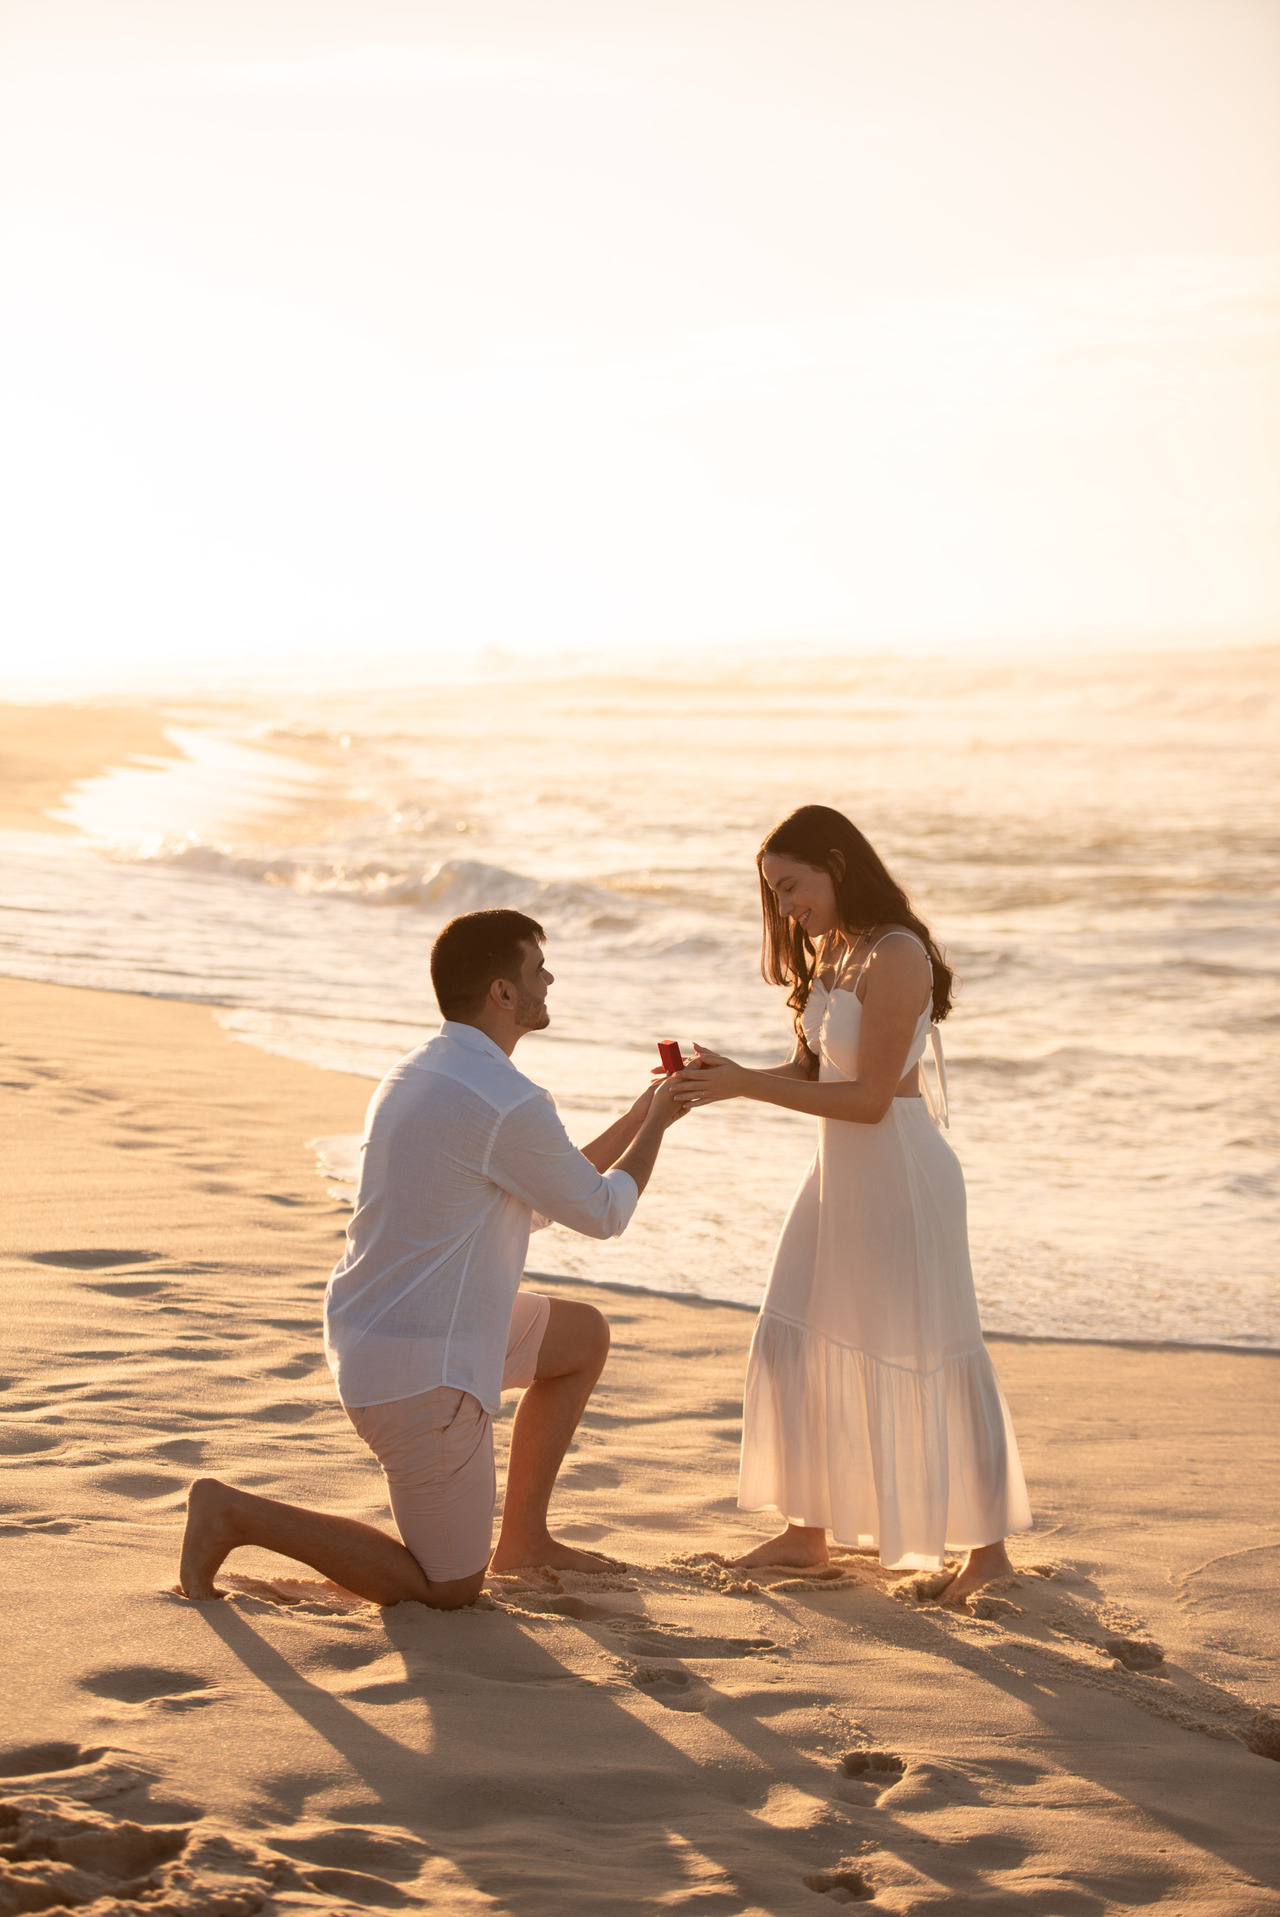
472 1039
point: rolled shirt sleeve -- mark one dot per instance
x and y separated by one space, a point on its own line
533 1158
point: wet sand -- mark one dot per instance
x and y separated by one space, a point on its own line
676 1737
44 749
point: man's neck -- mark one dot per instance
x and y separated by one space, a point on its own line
505 1033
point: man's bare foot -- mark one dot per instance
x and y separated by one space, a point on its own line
209 1535
984 1563
799 1547
548 1554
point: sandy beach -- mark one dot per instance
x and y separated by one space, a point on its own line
672 1738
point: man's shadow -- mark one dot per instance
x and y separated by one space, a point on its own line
622 1805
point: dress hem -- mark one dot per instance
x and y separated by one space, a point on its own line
915 1462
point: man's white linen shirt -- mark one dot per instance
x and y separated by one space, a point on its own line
460 1150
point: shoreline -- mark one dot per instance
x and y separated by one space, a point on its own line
46 749
49 750
165 1257
988 1337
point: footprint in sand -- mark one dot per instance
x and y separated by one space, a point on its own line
19 1440
181 1450
828 1577
390 1691
1132 1653
989 1609
91 1258
925 1786
840 1886
358 1888
104 1858
313 1596
131 1287
570 1606
867 1775
69 1771
881 1764
117 1865
589 1474
349 1847
660 1642
140 1484
151 1685
667 1684
348 1654
286 1413
33 1760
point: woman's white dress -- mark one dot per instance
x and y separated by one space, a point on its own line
872 1407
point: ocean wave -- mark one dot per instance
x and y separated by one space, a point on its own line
1062 1057
451 887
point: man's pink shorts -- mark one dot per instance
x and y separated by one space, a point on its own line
436 1453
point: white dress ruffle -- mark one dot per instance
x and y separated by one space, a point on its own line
872 1407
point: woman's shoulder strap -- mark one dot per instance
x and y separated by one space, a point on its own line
899 932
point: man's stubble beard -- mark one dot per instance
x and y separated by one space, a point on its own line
532 1014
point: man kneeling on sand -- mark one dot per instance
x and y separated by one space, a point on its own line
425 1322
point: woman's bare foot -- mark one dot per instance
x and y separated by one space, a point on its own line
549 1555
799 1547
209 1535
984 1563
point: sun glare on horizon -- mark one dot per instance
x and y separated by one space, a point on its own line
431 329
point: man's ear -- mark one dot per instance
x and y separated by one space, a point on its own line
503 994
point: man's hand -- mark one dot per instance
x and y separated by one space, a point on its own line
664 1109
664 1103
605 1151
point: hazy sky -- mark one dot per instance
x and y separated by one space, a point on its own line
362 326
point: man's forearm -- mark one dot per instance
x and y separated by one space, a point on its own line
605 1151
640 1157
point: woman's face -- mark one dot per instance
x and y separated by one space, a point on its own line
804 893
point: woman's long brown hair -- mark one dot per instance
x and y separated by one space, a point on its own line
867 894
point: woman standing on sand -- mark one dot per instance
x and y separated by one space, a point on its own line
872 1409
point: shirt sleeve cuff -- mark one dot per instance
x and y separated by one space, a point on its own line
626 1194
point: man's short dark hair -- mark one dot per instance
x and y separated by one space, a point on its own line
472 951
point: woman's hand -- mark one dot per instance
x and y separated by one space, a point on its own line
710 1078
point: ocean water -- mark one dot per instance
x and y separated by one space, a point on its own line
1094 843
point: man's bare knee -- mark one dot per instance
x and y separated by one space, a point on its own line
596 1337
576 1339
453 1594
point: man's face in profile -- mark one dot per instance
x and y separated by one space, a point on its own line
531 988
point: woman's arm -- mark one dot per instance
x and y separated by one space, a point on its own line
897 981
801 1064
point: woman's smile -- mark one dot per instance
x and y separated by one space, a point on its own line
804 893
